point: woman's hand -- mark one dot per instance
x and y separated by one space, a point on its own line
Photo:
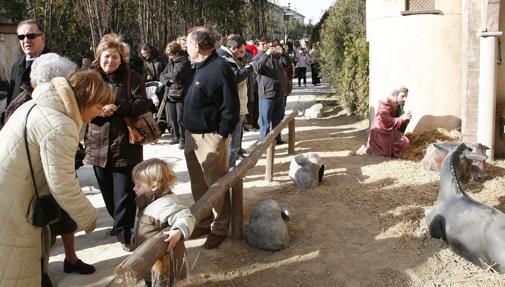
172 237
90 227
109 110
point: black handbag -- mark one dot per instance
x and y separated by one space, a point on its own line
45 209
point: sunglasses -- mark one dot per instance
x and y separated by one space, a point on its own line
30 36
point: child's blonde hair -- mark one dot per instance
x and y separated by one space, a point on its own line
155 172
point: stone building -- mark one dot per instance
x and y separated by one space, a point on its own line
9 45
448 53
280 15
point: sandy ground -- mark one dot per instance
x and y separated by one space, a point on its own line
363 226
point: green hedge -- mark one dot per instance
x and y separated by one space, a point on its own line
343 54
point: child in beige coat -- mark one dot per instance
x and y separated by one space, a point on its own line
160 209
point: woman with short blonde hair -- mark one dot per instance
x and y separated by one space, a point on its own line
53 121
87 91
107 139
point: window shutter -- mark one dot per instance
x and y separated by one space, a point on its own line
420 5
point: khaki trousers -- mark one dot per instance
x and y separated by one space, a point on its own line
207 161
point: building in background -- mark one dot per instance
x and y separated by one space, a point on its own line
9 44
291 14
280 16
447 53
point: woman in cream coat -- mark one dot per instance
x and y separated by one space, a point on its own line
53 136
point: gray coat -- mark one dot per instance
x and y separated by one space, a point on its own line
271 77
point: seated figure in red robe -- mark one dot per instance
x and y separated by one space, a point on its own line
386 133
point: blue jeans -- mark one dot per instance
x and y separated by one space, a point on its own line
235 143
271 114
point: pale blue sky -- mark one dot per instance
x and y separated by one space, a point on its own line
311 9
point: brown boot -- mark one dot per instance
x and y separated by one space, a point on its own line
213 241
199 232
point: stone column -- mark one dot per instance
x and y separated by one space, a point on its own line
487 91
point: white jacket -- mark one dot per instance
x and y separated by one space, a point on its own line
242 85
53 137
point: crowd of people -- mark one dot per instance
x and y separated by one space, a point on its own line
212 90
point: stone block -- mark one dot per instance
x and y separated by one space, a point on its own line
314 111
267 230
306 170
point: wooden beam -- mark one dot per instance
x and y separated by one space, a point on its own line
237 209
291 137
140 261
269 169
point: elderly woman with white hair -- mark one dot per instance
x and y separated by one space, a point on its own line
47 67
37 155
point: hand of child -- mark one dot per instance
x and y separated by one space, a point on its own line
172 237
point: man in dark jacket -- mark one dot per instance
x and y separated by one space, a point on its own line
232 52
33 43
4 93
211 113
272 88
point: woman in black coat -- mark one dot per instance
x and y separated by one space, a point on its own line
177 77
107 139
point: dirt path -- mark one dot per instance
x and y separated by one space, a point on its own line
362 227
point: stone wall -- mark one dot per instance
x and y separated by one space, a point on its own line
421 52
470 49
9 47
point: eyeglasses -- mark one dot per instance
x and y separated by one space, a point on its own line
30 36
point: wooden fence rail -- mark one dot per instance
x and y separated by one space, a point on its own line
140 261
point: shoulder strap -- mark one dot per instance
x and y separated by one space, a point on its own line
128 79
155 70
25 134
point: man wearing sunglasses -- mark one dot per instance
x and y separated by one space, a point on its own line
32 41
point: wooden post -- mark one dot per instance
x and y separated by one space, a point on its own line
269 170
237 212
160 272
139 263
292 137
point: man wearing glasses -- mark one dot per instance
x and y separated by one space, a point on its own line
32 41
